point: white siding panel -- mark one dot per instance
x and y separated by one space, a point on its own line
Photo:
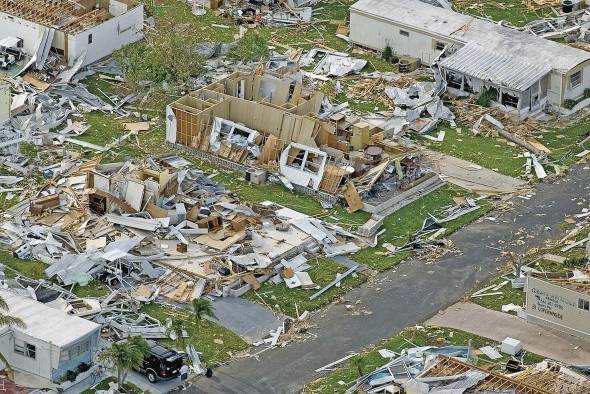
107 37
376 34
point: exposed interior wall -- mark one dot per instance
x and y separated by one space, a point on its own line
31 33
280 119
107 37
557 307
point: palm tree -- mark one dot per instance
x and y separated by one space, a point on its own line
201 308
177 327
124 356
10 321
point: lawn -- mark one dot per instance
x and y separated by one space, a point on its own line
563 139
94 289
216 343
401 225
492 153
290 301
514 12
340 379
30 268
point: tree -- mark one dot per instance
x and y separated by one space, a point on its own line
124 356
177 327
10 321
166 55
201 308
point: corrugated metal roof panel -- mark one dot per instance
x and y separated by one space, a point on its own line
503 70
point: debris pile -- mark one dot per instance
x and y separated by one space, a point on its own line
257 13
456 368
161 228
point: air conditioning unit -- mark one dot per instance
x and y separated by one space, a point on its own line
255 176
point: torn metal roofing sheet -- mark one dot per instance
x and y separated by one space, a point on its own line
503 70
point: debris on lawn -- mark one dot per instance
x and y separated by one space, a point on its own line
451 368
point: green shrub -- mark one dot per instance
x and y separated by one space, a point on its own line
387 53
569 104
575 262
485 98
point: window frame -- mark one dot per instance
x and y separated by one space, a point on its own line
25 349
584 304
579 77
404 33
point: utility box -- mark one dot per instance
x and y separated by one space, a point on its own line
4 101
511 346
255 176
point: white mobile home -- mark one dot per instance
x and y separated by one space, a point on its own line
52 342
560 301
520 70
72 28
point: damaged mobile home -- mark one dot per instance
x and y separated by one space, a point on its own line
82 31
520 72
260 124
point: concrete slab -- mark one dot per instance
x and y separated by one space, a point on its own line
473 177
497 326
250 321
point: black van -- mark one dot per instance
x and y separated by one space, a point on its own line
161 364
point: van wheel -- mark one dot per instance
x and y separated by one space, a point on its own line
152 377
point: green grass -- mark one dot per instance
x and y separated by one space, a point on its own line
104 385
289 301
513 11
410 337
563 139
202 336
405 222
488 152
31 268
95 289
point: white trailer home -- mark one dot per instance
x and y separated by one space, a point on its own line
521 72
84 30
51 344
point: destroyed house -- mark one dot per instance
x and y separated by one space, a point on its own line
519 71
560 301
276 125
448 374
52 343
82 31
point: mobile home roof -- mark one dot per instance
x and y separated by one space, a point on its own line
45 323
465 28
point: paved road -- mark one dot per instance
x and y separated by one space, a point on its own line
496 325
407 295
